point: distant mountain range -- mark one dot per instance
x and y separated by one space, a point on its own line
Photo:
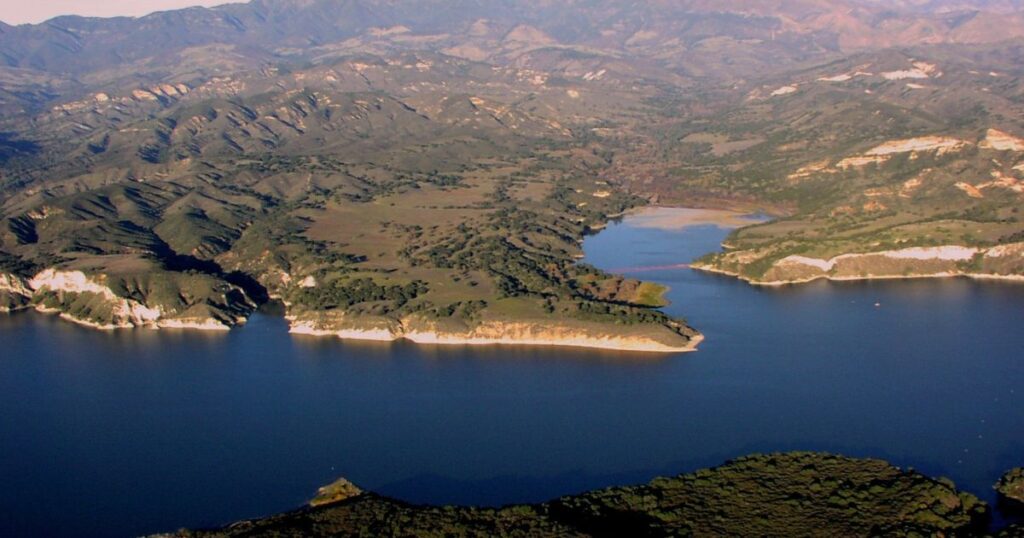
654 29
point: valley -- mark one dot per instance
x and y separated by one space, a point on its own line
302 239
372 235
435 186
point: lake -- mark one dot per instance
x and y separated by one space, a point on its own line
131 432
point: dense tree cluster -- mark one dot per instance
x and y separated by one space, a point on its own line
344 294
628 315
464 309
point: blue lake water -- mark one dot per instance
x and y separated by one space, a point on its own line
118 434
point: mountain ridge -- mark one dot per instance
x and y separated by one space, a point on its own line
76 45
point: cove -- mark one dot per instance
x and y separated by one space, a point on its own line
133 432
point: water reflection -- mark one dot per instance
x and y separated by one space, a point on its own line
455 354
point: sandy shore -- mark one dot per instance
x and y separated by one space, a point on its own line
677 218
779 283
208 325
510 334
610 343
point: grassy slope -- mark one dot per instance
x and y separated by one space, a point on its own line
782 153
377 204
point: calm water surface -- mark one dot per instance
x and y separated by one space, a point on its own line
144 431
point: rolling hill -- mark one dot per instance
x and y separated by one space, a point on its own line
426 170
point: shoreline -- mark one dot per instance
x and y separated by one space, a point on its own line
580 340
936 506
669 217
529 334
830 278
436 338
127 313
208 325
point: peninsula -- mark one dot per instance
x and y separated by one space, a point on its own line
482 252
802 494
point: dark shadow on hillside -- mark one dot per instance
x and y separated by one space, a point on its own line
183 262
10 147
1009 511
497 491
